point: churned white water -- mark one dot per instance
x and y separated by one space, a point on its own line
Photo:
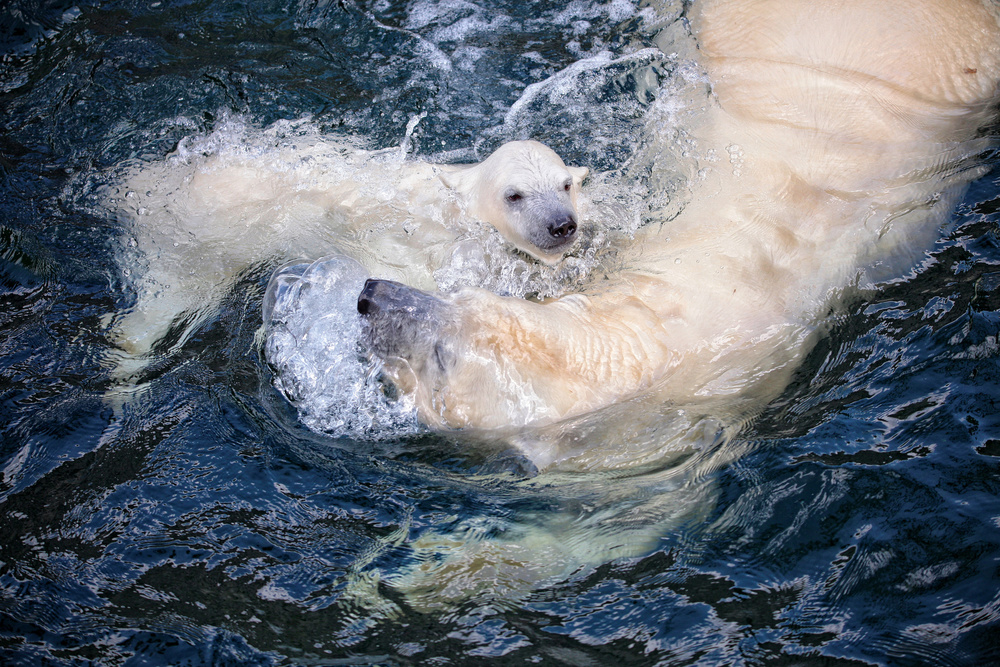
313 345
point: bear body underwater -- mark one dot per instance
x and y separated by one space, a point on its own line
197 222
851 128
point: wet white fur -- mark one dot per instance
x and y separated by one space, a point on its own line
845 129
195 222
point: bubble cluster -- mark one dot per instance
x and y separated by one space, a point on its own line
313 347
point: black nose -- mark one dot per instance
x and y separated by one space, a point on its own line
366 300
563 229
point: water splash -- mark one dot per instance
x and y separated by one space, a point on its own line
313 345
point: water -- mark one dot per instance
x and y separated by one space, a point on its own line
855 521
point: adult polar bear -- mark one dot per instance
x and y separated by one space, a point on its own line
206 215
851 127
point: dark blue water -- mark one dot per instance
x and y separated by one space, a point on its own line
202 525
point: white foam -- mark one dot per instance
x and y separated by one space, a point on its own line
313 346
578 10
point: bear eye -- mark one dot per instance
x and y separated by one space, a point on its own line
567 185
513 197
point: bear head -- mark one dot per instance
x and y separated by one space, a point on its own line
527 193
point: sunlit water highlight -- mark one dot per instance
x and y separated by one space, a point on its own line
855 521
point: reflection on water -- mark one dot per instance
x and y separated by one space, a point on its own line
856 521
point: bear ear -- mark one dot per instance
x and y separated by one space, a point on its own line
578 174
461 179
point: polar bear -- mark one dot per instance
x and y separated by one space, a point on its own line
197 222
850 129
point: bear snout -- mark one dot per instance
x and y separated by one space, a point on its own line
399 320
553 229
563 230
387 297
407 329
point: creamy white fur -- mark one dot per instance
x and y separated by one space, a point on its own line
844 132
847 130
197 222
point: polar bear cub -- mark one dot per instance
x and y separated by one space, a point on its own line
197 223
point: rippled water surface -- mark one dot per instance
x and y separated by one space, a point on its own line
856 521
